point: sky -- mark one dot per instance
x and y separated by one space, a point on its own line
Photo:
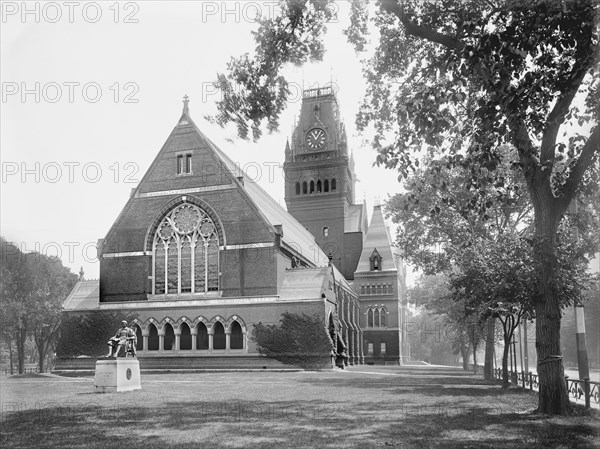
92 90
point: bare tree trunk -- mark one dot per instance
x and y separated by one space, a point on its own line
42 349
21 337
505 381
10 354
464 351
553 396
488 368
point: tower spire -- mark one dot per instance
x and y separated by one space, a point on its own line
288 152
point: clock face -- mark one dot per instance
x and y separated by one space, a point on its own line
315 139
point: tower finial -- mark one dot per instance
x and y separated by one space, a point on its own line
81 274
186 100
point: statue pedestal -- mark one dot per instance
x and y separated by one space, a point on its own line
116 375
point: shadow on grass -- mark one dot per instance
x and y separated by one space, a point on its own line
187 424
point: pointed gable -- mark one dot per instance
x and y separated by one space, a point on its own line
378 243
189 163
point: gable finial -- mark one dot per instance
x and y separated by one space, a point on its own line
186 100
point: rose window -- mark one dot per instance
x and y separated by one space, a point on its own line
186 252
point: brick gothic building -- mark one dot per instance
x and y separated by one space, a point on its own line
200 252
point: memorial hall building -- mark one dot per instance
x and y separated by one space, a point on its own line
200 253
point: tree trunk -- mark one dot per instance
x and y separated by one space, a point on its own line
21 336
42 349
474 359
505 382
553 396
10 354
488 368
464 352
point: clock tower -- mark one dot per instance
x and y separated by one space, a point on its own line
320 180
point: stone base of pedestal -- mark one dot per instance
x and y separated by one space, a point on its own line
116 375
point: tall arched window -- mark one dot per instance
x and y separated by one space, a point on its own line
333 185
237 338
379 289
312 186
185 340
362 289
383 317
186 252
319 186
370 318
153 340
304 187
368 289
218 336
169 338
297 188
202 337
376 318
326 186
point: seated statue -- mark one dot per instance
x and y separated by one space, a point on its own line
124 338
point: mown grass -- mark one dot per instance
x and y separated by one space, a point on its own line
359 407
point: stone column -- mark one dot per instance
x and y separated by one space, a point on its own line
194 333
161 339
145 335
210 340
227 340
177 338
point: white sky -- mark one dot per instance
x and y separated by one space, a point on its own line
68 164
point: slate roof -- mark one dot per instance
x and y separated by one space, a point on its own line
304 283
378 237
84 296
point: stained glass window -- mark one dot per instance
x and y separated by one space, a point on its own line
186 252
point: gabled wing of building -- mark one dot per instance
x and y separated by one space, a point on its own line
377 238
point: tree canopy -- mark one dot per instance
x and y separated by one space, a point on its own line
33 288
464 77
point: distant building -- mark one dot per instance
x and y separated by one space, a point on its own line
200 252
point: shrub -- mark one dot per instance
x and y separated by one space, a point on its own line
299 339
88 334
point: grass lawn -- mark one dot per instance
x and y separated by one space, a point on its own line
405 407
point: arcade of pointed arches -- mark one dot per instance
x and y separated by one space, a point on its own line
308 187
376 289
184 334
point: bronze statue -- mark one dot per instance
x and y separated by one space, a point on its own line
124 338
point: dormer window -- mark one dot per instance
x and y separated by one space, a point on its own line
375 260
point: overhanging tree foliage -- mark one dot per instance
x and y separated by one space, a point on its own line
528 65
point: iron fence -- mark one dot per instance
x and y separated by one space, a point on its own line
577 388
